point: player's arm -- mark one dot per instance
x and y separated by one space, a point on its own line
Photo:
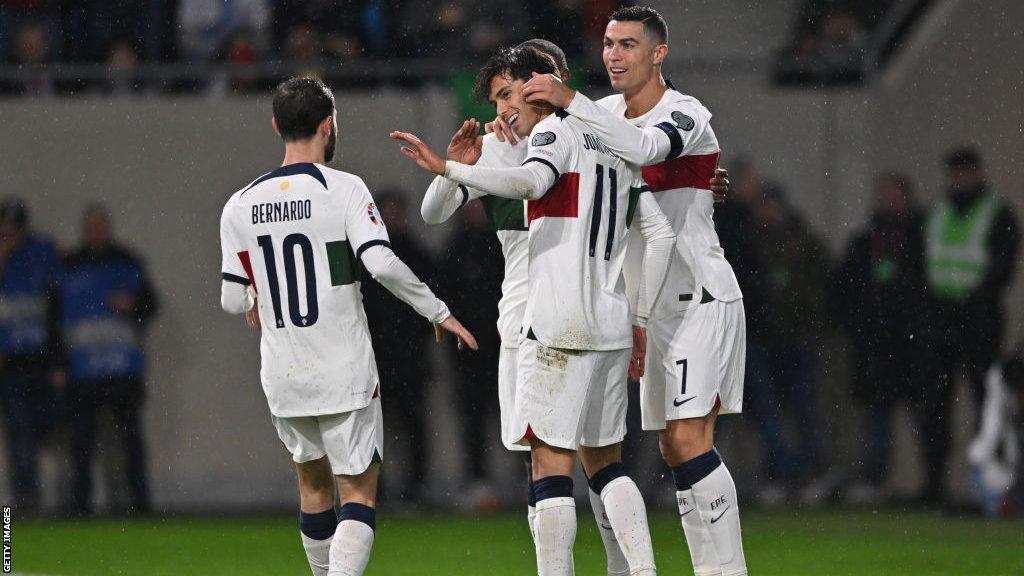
236 291
640 146
369 237
444 196
527 182
659 241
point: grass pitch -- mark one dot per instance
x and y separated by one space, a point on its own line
832 543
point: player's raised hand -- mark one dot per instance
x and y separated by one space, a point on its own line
502 131
548 88
452 324
417 150
720 184
466 144
639 356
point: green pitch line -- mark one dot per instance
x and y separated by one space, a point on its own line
833 543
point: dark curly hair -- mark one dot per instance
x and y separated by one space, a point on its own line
517 63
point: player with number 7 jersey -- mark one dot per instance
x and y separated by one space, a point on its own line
577 330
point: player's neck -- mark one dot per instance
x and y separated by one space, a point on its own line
644 99
303 153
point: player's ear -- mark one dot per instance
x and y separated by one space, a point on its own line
273 124
660 53
325 125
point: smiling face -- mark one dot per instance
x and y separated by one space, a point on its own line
631 57
507 96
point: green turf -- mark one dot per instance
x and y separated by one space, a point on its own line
789 544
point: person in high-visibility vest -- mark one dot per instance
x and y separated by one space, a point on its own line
971 249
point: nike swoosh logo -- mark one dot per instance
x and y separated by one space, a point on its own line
687 512
605 526
713 520
678 403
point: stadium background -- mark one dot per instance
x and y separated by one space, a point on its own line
166 163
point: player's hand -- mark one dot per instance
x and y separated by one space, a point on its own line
452 324
420 152
502 131
466 144
639 356
252 318
548 88
720 184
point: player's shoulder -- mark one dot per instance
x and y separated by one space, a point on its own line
341 180
613 102
496 152
548 130
682 109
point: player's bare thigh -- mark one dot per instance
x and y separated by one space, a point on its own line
360 488
685 439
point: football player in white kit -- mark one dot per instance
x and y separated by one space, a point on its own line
294 244
576 336
697 332
508 217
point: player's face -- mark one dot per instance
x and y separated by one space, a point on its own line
629 55
332 140
507 97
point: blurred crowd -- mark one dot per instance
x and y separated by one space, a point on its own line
305 35
830 42
918 294
72 365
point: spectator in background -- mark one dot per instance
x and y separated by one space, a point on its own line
204 25
239 51
31 51
122 73
88 29
971 245
347 29
303 50
783 366
29 267
105 303
402 336
470 279
879 293
459 29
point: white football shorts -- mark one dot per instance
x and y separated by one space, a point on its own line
350 440
508 360
695 358
570 398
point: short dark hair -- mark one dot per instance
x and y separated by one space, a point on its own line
300 105
515 63
964 157
654 24
551 49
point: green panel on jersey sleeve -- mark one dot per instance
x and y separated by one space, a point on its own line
634 199
505 213
345 267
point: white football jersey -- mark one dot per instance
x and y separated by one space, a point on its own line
681 184
296 234
508 216
577 240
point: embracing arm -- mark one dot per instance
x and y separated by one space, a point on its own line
443 198
527 182
236 297
640 146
